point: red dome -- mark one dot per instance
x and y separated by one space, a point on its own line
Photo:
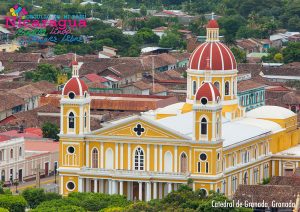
75 85
220 56
209 91
212 24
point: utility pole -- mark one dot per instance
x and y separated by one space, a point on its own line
38 176
153 86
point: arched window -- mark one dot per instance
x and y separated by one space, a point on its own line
203 126
194 87
168 162
245 178
95 158
227 88
217 84
20 151
71 120
11 153
109 159
84 119
139 159
183 163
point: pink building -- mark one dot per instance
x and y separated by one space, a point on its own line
21 154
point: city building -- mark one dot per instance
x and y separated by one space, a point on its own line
251 94
210 138
22 152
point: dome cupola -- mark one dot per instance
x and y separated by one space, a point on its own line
75 87
207 93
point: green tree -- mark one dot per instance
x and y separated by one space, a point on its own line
34 196
43 72
172 40
13 203
143 10
50 130
146 36
292 52
239 55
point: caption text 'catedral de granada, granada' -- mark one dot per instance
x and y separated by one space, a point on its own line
209 138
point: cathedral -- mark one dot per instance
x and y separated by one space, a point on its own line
209 141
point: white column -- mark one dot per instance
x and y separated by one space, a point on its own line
101 186
273 168
154 190
121 187
175 186
87 160
80 185
116 156
114 187
129 190
140 191
279 168
155 157
148 191
121 155
231 87
251 176
214 126
160 158
175 159
109 186
261 172
190 160
228 185
129 157
95 185
169 187
61 119
61 185
223 88
160 190
241 178
101 155
87 185
148 158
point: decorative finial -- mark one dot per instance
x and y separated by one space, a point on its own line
212 15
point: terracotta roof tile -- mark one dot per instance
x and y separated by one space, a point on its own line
95 78
248 85
9 101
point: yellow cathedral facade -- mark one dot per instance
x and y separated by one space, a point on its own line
209 139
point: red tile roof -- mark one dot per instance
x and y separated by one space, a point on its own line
46 146
95 78
27 134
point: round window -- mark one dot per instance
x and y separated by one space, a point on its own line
71 95
204 101
203 156
71 149
70 186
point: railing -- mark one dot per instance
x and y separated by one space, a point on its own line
135 173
